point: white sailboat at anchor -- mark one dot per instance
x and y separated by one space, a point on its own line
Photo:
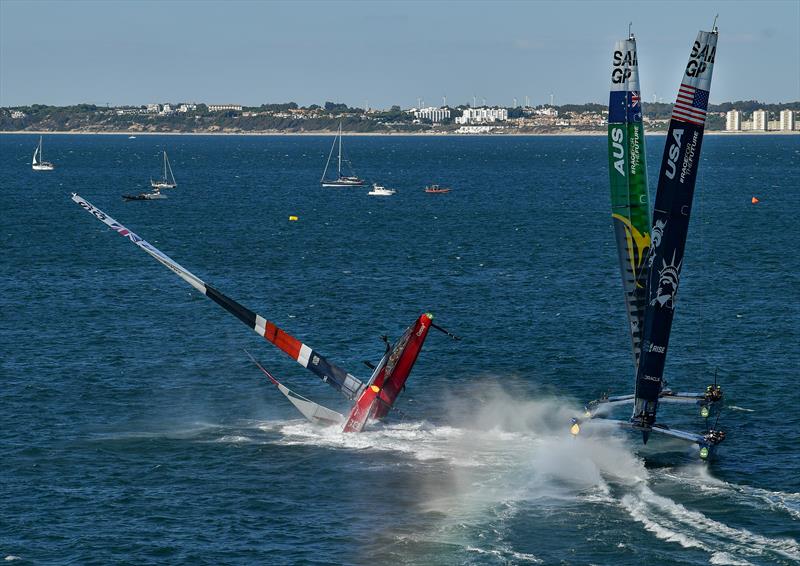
167 181
341 180
39 164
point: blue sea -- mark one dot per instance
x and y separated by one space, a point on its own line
135 430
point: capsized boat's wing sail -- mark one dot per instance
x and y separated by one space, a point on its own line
330 373
676 182
312 411
630 206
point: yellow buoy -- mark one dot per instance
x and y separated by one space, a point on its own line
293 218
704 453
704 412
575 429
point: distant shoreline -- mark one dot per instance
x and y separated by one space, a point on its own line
376 134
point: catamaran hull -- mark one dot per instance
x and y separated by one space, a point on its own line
313 412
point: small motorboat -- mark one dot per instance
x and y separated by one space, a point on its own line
381 191
155 195
436 189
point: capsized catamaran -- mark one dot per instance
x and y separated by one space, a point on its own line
378 394
651 259
371 400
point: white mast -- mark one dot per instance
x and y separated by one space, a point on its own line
340 149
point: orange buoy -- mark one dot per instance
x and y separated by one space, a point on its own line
754 200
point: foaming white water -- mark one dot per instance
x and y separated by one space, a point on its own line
417 439
736 408
727 559
501 454
672 521
775 500
664 530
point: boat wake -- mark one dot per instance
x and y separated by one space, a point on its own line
674 522
508 460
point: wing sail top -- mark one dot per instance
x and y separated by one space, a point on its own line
676 182
328 372
630 206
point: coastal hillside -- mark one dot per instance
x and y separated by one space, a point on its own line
291 118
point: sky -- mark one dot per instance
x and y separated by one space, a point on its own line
378 54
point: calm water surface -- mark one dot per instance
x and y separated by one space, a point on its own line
134 429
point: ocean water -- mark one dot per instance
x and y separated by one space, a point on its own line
134 430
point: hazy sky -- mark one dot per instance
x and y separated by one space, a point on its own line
122 52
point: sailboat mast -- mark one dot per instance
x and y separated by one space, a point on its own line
169 168
340 149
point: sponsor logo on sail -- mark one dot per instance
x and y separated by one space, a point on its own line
673 153
622 66
617 136
668 279
700 57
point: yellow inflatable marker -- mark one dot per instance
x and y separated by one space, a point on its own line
293 218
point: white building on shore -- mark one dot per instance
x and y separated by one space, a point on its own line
432 113
733 121
482 115
787 120
760 121
223 107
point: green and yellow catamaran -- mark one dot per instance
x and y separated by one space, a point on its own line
630 201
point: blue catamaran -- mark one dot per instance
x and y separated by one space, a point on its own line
651 262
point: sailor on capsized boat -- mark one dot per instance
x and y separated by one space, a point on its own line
371 400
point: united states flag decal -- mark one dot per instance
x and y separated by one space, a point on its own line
691 105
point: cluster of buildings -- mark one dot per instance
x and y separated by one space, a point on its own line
482 115
168 109
431 113
759 122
